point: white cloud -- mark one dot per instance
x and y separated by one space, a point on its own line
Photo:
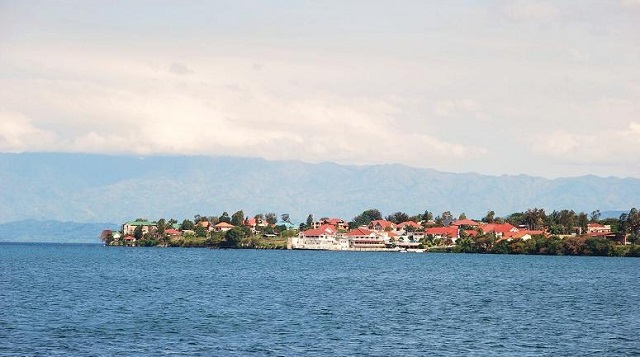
225 108
18 133
417 88
465 109
630 3
531 11
179 69
605 147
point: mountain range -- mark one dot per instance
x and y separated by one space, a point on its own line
91 188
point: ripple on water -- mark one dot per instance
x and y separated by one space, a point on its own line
90 300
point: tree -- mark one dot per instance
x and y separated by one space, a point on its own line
595 216
366 217
490 217
201 231
162 225
237 218
224 218
187 225
137 233
534 218
582 222
398 217
233 237
271 218
285 217
462 216
446 218
427 216
107 236
309 221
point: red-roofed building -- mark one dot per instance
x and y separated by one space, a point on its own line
471 233
465 222
443 232
499 229
223 227
598 228
250 222
365 238
408 224
324 237
204 224
172 232
521 234
339 223
382 225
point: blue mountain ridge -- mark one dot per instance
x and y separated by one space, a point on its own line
108 188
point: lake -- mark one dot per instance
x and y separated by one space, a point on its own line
90 300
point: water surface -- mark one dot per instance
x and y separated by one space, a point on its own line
111 301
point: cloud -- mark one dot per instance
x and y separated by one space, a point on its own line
611 146
531 11
18 133
630 3
464 109
179 69
227 108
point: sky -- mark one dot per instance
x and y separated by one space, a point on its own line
541 88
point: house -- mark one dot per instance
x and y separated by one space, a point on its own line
450 232
204 224
223 227
364 238
129 228
466 223
324 238
598 228
129 240
408 226
499 229
172 232
338 223
382 225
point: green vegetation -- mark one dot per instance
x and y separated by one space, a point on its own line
541 245
533 231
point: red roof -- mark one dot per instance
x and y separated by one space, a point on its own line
171 231
250 222
382 222
410 224
465 222
471 232
324 229
129 238
224 225
498 228
359 232
451 231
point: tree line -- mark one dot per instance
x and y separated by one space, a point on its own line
557 223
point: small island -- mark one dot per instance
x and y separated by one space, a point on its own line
533 232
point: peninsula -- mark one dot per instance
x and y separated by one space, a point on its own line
534 231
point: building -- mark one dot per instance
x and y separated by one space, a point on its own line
365 239
223 227
129 228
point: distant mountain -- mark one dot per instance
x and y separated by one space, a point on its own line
52 231
102 188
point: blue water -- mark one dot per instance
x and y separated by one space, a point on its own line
89 300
